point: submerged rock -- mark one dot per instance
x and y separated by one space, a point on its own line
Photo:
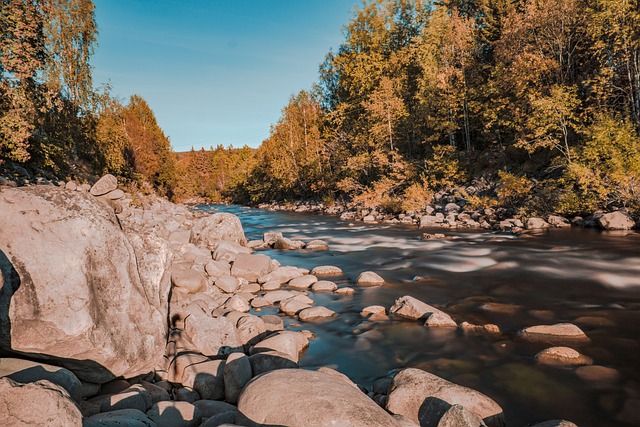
326 271
558 333
562 356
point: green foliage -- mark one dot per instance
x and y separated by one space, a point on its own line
512 190
442 168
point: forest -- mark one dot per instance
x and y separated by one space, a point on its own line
540 97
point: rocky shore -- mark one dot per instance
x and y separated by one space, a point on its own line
451 210
121 310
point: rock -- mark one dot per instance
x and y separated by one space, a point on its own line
562 356
313 314
558 221
558 333
207 232
281 274
271 237
210 408
555 423
54 405
94 315
324 286
135 397
373 311
326 271
229 251
221 420
345 291
70 185
237 373
536 224
488 329
302 282
186 394
26 371
270 361
212 335
119 418
440 319
115 194
369 278
190 280
288 342
411 387
272 323
317 245
277 296
616 221
180 362
293 306
157 393
412 308
227 284
238 303
338 375
432 236
288 244
277 397
598 374
175 414
104 185
251 267
250 329
218 268
206 378
435 412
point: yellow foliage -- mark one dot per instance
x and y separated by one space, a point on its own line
416 197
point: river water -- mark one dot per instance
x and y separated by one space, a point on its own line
586 277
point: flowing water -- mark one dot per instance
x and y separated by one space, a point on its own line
581 276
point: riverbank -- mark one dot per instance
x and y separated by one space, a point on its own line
458 209
233 315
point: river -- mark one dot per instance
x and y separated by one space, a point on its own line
582 276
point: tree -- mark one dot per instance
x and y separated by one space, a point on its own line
385 109
22 55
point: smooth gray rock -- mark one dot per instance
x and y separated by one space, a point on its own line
288 342
212 335
206 378
270 361
326 271
277 397
369 278
135 397
558 333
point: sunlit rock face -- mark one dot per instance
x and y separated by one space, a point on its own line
72 289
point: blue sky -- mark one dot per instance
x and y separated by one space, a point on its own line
215 71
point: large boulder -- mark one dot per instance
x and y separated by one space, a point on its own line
212 336
26 371
209 231
276 398
36 404
251 267
71 288
411 388
616 221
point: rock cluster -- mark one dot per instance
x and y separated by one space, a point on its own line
451 209
149 314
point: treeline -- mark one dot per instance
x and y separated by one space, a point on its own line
541 95
53 120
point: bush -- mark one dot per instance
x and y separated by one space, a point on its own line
416 197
